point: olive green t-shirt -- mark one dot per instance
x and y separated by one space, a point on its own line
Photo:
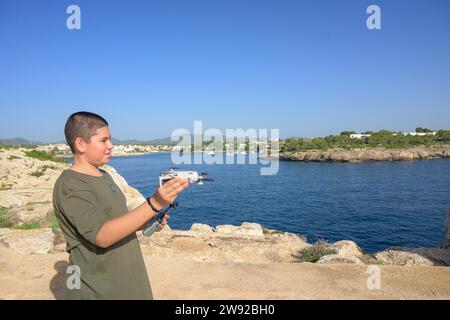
82 204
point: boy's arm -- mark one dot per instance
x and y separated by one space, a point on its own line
118 228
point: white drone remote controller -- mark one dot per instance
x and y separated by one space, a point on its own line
192 176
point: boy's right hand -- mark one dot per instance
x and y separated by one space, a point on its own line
169 191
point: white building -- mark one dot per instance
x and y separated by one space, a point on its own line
421 134
359 135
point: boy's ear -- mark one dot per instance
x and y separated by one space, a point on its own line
80 145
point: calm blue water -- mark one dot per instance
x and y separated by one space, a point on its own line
376 204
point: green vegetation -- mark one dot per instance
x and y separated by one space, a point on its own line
13 157
54 224
40 172
42 155
382 138
315 252
4 218
28 226
39 202
443 135
425 130
5 222
37 173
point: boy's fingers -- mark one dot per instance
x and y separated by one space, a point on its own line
170 185
175 186
171 182
178 190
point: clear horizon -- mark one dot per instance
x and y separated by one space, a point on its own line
308 68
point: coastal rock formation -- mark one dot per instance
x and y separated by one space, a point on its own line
226 243
34 212
402 258
26 181
347 248
245 229
372 154
345 252
446 243
414 256
36 241
339 259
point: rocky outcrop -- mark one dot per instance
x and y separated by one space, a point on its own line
347 248
345 252
414 256
26 181
402 258
37 241
246 229
372 154
225 243
446 243
32 212
339 259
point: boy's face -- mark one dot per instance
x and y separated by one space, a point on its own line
98 150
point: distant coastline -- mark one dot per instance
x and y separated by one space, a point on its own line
340 155
368 154
114 155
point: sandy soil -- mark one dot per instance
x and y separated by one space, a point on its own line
42 277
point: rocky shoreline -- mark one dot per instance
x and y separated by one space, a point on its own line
369 154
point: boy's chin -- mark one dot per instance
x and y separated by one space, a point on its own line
105 160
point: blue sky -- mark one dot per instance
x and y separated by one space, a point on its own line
308 68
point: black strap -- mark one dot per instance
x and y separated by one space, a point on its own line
151 206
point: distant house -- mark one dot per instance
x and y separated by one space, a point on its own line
421 134
359 135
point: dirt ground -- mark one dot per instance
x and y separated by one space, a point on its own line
42 277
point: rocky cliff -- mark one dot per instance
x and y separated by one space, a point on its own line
372 154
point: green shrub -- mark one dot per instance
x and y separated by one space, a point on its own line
315 252
4 218
383 138
29 226
42 155
37 173
54 224
41 171
13 157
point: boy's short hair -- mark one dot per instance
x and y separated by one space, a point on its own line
82 124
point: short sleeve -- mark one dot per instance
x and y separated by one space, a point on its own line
81 208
